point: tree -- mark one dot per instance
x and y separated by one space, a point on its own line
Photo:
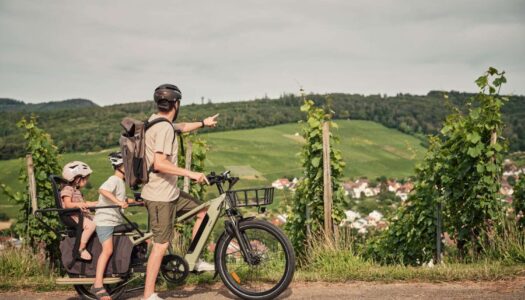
410 238
472 164
307 204
461 173
45 159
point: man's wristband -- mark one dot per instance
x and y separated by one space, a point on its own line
202 123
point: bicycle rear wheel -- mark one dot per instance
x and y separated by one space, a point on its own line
274 265
114 290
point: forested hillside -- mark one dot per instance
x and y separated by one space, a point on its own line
7 104
94 128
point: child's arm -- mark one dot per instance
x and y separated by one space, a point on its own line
91 203
109 195
69 204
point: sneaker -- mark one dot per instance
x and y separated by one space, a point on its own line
153 296
202 266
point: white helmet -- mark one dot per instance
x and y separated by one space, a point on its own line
75 168
116 159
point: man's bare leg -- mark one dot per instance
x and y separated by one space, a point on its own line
201 265
198 222
152 269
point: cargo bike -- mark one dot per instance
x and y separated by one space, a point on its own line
253 258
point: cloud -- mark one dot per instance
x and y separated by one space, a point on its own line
118 51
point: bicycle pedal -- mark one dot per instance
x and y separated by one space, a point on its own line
139 269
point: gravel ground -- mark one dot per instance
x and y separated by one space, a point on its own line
508 289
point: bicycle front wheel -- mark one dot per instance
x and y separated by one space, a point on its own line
272 269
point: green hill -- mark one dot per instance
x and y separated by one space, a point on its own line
10 105
262 155
96 128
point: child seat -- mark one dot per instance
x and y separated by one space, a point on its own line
73 229
66 217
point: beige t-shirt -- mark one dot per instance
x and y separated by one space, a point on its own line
161 138
76 197
111 216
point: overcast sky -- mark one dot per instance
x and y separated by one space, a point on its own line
119 51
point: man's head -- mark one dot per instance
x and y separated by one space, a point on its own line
167 97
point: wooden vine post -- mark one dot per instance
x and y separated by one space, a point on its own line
327 183
189 149
31 182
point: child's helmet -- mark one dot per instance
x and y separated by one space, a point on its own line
116 159
74 169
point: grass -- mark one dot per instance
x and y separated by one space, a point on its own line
507 243
341 261
262 155
329 266
325 262
21 269
341 266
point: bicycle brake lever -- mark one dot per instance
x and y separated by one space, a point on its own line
212 178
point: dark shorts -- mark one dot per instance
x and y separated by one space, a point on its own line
161 215
186 203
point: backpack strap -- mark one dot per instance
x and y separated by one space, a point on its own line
149 124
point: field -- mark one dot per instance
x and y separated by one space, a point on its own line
260 156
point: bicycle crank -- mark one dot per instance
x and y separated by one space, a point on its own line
174 269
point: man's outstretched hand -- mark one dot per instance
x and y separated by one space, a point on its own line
211 121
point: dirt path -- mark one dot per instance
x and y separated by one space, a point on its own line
5 225
509 289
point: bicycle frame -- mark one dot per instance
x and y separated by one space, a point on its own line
215 208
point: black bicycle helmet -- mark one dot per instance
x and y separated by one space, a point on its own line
167 92
166 96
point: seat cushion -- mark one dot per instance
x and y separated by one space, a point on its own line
123 228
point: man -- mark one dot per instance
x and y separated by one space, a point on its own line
161 194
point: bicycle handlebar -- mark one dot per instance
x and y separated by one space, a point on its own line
76 209
221 179
116 206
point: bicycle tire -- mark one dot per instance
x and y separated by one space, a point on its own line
230 282
115 291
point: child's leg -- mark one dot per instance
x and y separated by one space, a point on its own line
107 251
89 228
105 235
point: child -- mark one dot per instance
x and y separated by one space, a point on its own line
76 173
112 192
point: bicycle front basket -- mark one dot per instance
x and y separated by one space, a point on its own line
251 197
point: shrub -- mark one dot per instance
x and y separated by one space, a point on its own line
45 160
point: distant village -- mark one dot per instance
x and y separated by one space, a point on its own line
360 188
511 172
363 188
